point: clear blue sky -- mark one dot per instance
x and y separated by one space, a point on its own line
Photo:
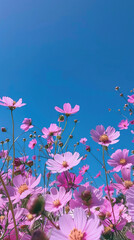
59 51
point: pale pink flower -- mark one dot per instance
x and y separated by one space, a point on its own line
27 124
32 143
23 186
130 235
123 124
84 169
9 102
57 199
124 183
67 109
130 201
105 137
83 140
79 227
63 162
98 174
120 159
131 98
53 130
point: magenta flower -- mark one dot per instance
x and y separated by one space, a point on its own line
105 137
63 162
132 122
57 199
130 201
86 197
83 140
27 124
68 180
120 159
67 109
84 169
123 124
53 130
98 174
131 98
32 143
80 227
124 183
9 102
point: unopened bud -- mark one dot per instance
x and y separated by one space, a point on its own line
59 137
17 162
75 120
121 94
3 129
71 136
30 163
88 149
36 204
24 139
117 88
61 118
30 135
39 235
7 140
61 144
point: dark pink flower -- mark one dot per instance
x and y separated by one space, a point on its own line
98 174
120 159
132 122
68 180
53 130
67 109
9 102
131 98
32 143
123 124
27 124
105 137
79 227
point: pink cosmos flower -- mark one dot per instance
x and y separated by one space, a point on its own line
23 187
124 183
130 235
131 98
67 109
68 180
120 159
123 124
57 199
9 102
107 217
53 130
84 169
98 174
32 143
27 124
83 140
86 197
130 201
63 162
105 137
80 227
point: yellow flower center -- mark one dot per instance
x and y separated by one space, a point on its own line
56 203
76 235
122 161
65 164
103 138
2 217
22 188
128 184
14 102
30 217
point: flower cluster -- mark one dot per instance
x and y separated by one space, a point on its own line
49 191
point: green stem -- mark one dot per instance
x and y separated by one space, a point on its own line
13 145
107 184
11 207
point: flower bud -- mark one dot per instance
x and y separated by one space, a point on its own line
17 162
30 163
39 235
61 118
59 137
3 129
88 149
36 204
117 88
75 120
71 136
61 144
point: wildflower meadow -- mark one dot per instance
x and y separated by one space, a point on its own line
48 191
